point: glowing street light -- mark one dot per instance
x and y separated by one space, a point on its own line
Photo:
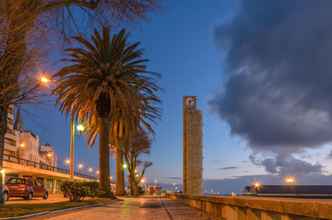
257 185
90 170
97 172
49 155
80 127
290 180
22 145
142 180
44 80
125 166
67 161
80 166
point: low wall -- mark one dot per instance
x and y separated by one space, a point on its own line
256 208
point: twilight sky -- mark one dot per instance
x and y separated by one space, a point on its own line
260 72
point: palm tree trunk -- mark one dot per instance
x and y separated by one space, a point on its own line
3 129
104 156
119 173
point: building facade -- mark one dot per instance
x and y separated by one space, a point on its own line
192 147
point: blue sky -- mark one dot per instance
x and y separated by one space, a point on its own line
179 41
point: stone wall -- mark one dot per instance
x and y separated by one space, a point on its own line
255 208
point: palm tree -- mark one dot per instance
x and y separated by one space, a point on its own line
124 128
104 79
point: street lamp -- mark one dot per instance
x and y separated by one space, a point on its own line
44 79
67 161
73 128
290 180
80 127
90 170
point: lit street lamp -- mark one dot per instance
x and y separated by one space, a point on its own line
290 180
67 161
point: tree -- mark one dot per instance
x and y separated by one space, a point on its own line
20 20
103 78
143 111
139 145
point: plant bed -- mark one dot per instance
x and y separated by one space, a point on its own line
15 210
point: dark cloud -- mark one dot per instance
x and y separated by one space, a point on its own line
278 59
329 156
287 165
228 168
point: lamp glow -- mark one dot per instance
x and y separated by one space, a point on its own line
80 127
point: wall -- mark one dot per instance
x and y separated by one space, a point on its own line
254 208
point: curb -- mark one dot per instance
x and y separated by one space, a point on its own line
37 214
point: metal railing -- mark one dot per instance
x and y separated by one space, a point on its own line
41 165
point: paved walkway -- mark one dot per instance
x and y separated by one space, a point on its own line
134 209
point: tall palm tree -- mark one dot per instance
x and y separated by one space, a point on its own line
124 126
105 76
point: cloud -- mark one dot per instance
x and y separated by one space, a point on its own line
277 92
287 165
278 58
228 168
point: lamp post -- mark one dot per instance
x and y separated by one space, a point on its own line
73 128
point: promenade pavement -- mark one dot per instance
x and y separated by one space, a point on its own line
145 208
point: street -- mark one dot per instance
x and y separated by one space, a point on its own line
133 209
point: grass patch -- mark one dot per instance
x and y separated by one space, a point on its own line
15 210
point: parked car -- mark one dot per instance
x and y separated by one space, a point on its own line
21 187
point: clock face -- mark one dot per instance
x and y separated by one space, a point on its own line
190 102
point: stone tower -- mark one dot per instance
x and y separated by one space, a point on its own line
192 147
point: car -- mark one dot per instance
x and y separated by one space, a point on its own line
25 188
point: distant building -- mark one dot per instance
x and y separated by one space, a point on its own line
192 147
24 156
25 144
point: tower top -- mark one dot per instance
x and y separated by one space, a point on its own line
190 102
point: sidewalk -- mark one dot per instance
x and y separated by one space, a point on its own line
133 209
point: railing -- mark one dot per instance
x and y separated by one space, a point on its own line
40 165
256 208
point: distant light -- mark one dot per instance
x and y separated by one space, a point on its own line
22 145
290 180
80 166
111 177
67 161
49 155
125 166
155 181
142 180
233 194
257 185
97 172
90 170
2 171
80 127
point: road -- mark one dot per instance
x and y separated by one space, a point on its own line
133 209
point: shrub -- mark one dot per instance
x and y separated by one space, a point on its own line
76 191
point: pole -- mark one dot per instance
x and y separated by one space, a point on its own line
72 148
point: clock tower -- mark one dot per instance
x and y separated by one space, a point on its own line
192 147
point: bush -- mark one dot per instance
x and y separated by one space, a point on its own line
76 191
